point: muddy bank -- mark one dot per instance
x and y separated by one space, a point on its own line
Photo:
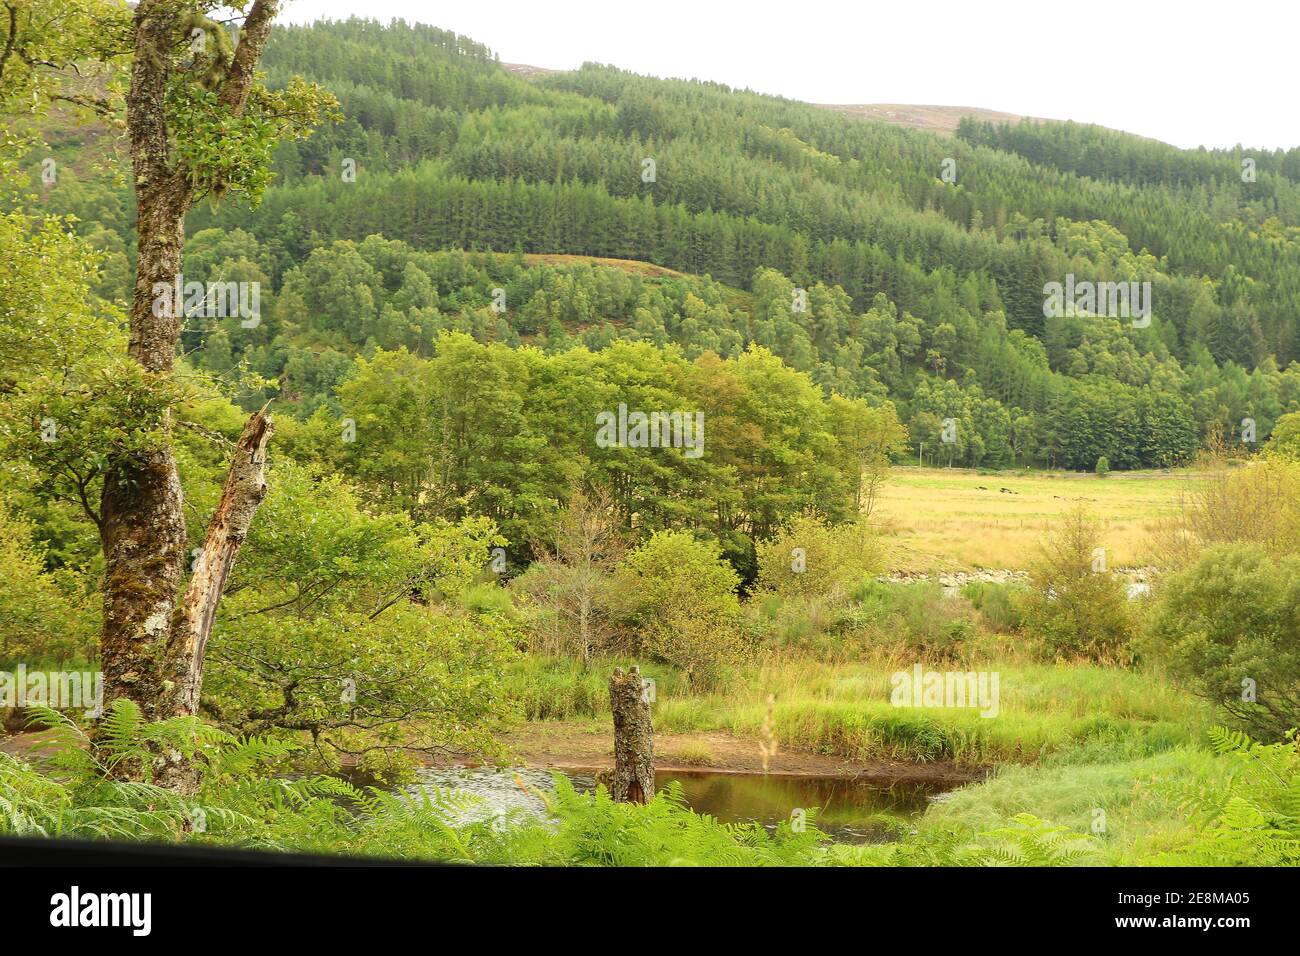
580 747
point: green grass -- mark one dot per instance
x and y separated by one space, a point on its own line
1062 713
1135 801
1105 752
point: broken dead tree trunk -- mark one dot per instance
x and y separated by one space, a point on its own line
633 780
192 620
191 623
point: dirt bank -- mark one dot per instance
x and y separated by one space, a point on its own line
569 746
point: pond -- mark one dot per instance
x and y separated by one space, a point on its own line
848 808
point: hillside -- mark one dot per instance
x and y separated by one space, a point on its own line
885 262
934 119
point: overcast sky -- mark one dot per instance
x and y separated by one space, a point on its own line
1189 72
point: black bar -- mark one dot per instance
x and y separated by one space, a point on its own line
301 899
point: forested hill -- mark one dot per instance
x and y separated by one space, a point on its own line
886 263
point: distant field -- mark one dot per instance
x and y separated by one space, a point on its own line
934 119
957 519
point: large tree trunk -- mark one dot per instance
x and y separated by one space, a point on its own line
144 546
143 533
143 530
633 780
151 649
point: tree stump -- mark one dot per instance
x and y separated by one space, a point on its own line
633 780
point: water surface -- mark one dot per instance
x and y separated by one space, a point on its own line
847 809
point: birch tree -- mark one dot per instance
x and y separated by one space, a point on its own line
200 124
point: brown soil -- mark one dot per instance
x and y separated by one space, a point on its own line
26 745
568 746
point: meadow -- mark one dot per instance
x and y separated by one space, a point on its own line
960 519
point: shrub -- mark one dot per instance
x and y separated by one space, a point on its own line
918 615
487 598
1259 503
1229 626
353 626
413 680
1077 608
680 604
810 557
1000 605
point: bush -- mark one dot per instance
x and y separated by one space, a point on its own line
1077 608
363 629
487 598
681 605
918 615
810 557
1259 503
1229 626
1000 605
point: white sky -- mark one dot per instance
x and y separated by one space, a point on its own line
1190 73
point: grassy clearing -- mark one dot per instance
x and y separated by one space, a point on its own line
1059 713
1133 808
956 519
1076 745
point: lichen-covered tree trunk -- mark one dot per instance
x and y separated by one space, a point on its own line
143 532
144 544
633 779
151 648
